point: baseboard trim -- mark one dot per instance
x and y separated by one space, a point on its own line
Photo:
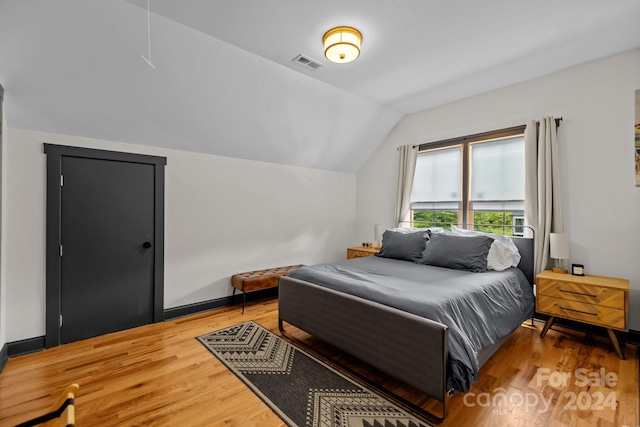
29 345
4 356
198 307
214 304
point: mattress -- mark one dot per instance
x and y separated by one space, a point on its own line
478 308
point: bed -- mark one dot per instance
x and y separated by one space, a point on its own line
427 325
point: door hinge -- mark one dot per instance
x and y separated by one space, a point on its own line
60 250
61 180
61 320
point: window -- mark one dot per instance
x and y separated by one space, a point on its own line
436 196
475 182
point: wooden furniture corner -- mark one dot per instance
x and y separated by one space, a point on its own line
361 252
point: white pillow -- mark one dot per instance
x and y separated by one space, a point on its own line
503 252
413 230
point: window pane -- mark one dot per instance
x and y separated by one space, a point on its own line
437 179
497 205
435 218
506 223
497 173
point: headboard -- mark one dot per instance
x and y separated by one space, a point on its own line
526 248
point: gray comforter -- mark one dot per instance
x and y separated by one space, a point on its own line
478 308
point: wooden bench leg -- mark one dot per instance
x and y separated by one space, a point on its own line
244 300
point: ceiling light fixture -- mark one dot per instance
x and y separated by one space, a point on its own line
342 44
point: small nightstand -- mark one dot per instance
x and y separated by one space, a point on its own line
361 251
596 300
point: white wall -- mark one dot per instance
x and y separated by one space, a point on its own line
223 215
601 202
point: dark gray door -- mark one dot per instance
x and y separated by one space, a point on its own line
107 236
105 242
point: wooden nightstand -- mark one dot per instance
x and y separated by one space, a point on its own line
361 251
596 300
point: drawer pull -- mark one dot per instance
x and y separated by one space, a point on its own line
578 311
579 293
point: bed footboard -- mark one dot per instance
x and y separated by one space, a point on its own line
405 346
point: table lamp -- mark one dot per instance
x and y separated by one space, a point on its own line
378 229
559 250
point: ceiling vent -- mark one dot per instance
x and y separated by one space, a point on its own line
307 62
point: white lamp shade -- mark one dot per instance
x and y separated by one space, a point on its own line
342 44
559 246
378 229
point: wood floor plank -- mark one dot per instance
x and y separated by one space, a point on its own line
160 375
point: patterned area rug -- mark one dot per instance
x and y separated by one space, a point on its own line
301 389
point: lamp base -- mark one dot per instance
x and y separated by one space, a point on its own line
559 270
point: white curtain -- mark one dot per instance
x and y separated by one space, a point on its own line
543 206
407 155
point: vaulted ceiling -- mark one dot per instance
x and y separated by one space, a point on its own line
224 82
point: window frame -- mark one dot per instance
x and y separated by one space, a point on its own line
465 142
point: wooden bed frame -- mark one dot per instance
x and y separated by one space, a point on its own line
408 347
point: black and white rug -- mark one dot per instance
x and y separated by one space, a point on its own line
301 389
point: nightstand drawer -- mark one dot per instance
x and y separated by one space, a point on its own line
588 313
589 294
361 252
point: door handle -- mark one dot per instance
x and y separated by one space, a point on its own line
146 245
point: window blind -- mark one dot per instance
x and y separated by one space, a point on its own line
497 175
437 181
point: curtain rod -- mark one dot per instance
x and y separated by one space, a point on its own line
480 135
558 120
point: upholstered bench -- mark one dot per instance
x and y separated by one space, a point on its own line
260 279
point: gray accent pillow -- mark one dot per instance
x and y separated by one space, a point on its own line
457 252
405 246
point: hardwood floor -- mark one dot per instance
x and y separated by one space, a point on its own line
160 375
